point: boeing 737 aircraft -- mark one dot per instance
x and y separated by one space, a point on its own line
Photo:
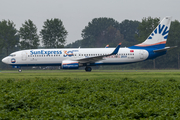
74 58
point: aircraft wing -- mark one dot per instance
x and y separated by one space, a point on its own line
97 58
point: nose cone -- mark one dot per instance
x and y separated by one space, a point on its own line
5 60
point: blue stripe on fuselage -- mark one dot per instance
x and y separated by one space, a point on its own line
153 55
46 64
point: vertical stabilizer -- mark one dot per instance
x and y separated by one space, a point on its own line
159 36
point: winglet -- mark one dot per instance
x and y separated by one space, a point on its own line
107 46
116 49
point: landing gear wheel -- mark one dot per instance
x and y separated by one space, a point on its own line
20 70
88 69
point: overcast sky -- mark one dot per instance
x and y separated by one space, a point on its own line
76 14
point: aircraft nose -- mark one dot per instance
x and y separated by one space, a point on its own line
5 60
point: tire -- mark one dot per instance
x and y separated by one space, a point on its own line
88 69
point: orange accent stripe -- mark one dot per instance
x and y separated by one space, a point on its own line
144 45
69 63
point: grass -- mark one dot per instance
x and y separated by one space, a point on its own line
103 74
128 94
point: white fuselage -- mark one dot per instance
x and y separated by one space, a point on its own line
47 57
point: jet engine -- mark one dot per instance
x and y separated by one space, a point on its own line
70 64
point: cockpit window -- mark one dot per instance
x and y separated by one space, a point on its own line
12 55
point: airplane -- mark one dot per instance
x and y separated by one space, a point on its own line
73 58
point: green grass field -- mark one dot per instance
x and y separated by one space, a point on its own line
106 94
97 74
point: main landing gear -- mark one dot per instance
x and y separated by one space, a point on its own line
19 70
88 69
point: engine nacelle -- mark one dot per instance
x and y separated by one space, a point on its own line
70 64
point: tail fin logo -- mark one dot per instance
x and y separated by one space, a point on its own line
160 30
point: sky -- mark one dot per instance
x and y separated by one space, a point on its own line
76 14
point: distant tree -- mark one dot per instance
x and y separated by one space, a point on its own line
146 27
97 26
28 35
129 29
8 35
103 31
74 44
53 34
100 32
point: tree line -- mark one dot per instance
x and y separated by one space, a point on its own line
53 35
98 33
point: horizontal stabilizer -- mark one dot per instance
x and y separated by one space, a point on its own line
164 49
